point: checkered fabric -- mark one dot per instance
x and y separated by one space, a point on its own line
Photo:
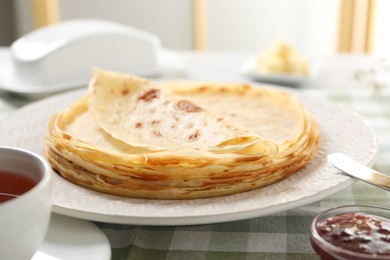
279 236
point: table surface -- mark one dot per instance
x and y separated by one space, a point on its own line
279 236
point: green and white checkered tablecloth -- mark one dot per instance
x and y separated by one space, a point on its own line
279 236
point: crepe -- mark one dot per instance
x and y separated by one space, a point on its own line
138 113
261 136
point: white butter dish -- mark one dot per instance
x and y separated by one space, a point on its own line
67 51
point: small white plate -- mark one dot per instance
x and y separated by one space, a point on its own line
248 69
73 239
9 81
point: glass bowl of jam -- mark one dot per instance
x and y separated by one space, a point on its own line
352 232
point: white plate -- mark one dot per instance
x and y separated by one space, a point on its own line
248 69
9 81
73 239
341 131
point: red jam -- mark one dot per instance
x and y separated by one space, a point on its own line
357 232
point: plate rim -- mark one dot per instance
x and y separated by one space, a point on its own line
247 69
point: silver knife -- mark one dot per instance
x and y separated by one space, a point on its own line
355 169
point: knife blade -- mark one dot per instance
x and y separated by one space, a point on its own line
357 170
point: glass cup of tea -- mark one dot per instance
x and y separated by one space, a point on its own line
25 202
353 232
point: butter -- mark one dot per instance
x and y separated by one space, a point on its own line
280 58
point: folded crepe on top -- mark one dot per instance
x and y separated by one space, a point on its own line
136 112
179 140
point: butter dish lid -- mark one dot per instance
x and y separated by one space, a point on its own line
41 42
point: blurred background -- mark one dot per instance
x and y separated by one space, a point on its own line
314 27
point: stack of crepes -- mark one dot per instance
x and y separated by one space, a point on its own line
179 140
